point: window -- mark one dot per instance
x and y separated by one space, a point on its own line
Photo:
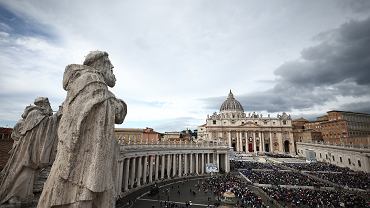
340 158
326 156
333 158
284 122
320 155
214 121
349 161
359 163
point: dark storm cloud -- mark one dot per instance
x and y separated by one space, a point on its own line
362 107
339 65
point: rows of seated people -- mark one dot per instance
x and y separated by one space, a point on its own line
219 185
280 178
315 198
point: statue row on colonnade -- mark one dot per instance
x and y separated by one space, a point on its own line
78 141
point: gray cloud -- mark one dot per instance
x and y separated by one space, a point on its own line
339 65
362 107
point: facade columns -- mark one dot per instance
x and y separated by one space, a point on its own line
260 138
156 167
208 159
246 142
271 144
227 165
127 173
218 160
237 142
163 157
254 142
139 171
120 176
229 134
241 141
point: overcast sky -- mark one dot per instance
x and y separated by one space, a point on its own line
175 61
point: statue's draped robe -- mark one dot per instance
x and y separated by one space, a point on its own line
87 153
35 140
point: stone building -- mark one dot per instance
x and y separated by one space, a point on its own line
248 133
137 135
304 132
343 127
6 143
354 158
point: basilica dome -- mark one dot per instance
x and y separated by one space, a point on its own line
231 104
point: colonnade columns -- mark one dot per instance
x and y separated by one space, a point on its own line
180 165
168 166
271 144
139 171
156 167
191 163
133 166
203 166
174 165
120 176
263 141
162 166
197 163
186 164
254 142
145 172
127 173
150 168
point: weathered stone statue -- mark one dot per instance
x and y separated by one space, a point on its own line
83 174
35 140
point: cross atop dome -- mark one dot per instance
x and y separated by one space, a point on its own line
230 94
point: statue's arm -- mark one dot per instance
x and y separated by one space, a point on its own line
120 111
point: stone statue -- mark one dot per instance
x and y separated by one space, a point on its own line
84 171
35 140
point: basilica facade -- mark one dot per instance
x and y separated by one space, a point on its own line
248 133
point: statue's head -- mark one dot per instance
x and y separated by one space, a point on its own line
100 61
43 102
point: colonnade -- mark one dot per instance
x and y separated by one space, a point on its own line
136 170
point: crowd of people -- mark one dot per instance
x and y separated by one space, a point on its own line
315 198
252 165
317 166
236 185
276 155
359 180
280 178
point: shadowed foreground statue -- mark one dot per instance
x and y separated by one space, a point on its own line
35 140
83 174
